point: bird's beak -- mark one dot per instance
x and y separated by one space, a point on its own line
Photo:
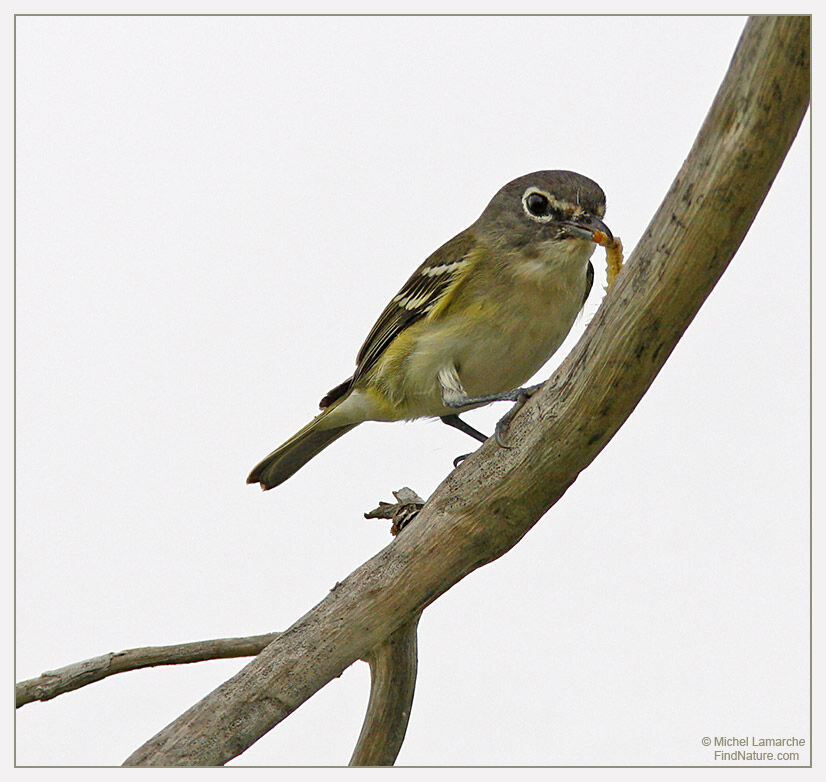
589 229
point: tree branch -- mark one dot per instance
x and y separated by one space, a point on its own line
392 684
72 677
485 506
392 665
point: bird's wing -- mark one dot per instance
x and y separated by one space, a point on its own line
428 285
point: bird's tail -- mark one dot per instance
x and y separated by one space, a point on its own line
287 459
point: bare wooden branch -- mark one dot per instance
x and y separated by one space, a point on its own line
392 684
486 506
393 663
72 677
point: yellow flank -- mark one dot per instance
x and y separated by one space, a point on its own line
384 381
381 400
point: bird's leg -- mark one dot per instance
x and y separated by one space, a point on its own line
453 392
463 426
454 395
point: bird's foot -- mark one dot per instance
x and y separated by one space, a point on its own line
521 395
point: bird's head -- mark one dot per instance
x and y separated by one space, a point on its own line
545 207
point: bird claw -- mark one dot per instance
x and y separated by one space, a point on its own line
501 430
522 396
459 459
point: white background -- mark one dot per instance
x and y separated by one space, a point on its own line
211 213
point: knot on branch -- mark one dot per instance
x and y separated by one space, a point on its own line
401 513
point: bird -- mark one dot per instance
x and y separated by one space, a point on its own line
476 320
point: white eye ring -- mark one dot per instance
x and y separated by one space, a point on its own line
545 217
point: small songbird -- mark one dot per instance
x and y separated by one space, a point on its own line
476 320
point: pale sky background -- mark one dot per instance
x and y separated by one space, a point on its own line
211 213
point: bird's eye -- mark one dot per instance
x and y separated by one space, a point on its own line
538 205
